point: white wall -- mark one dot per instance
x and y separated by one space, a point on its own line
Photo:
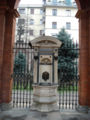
61 20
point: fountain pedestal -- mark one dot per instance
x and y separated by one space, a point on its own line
45 98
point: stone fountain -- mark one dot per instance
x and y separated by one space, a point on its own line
45 73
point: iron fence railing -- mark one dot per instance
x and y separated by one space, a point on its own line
68 76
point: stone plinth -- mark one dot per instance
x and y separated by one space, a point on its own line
44 98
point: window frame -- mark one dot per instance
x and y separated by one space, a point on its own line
41 21
54 1
20 9
32 22
54 25
54 12
41 11
41 32
32 11
68 25
31 32
21 23
68 13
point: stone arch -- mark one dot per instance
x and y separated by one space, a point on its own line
78 4
83 4
8 13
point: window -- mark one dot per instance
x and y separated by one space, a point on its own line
54 12
22 10
74 3
31 32
32 10
31 21
68 12
21 21
54 34
44 1
54 1
54 25
41 32
41 21
41 11
68 25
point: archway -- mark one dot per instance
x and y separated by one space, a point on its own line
8 14
84 17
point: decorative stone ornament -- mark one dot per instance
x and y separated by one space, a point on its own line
45 76
45 73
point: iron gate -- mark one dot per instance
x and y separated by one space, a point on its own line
68 76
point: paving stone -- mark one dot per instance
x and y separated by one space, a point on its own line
34 115
13 115
54 116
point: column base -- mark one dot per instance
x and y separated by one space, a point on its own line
5 106
82 109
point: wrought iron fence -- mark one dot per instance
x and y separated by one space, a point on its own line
68 76
22 75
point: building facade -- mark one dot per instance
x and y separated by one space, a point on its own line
46 18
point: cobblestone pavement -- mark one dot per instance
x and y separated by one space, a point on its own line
26 114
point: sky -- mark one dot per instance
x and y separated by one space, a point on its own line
31 1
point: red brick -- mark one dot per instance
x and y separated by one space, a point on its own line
2 29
